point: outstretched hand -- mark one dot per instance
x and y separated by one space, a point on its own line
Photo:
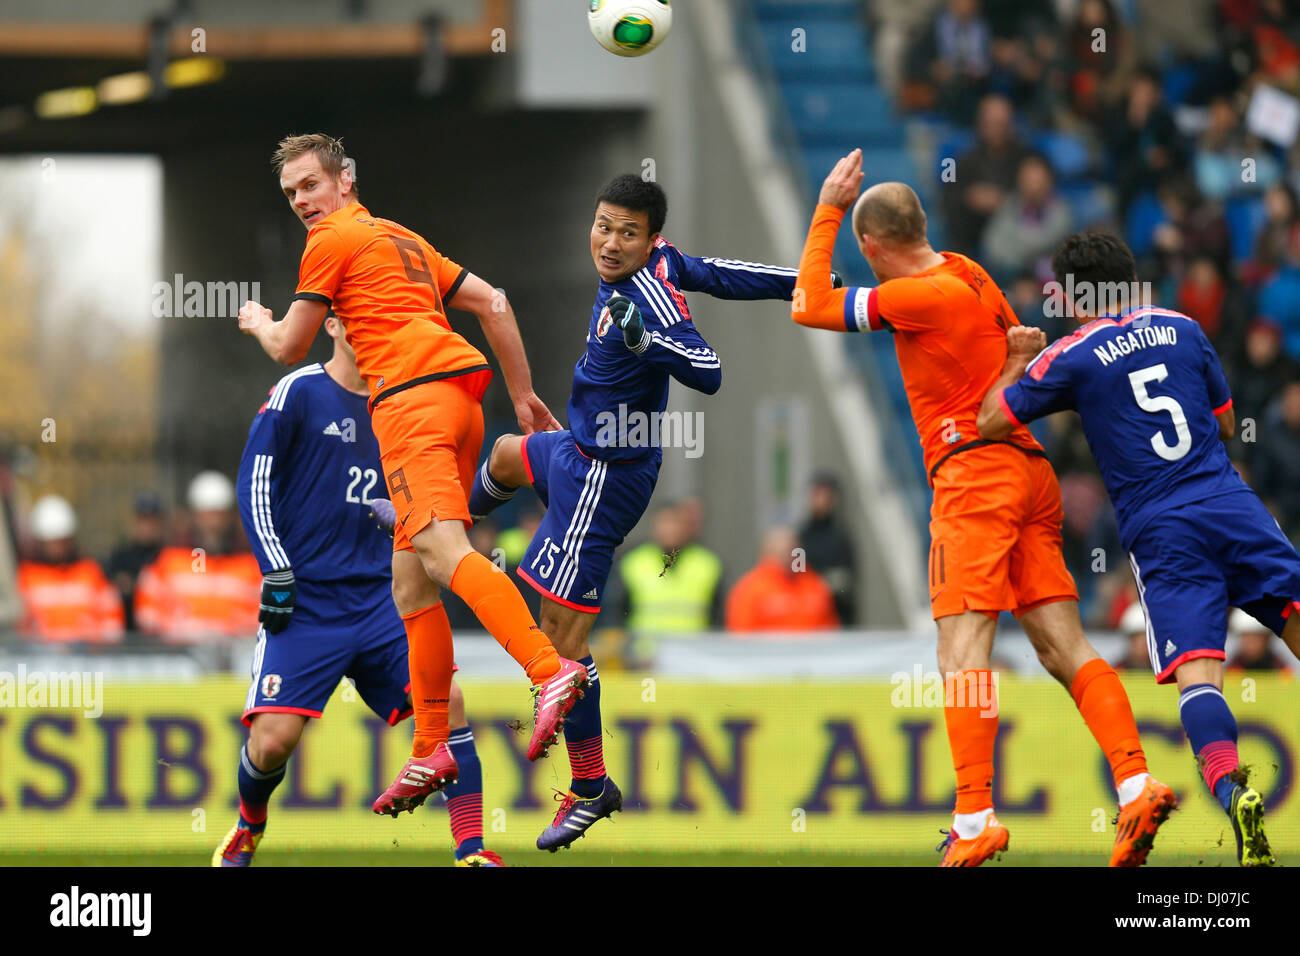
844 182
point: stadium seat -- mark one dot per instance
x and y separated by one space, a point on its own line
1246 217
953 146
833 51
1067 153
1144 215
825 113
807 11
1090 202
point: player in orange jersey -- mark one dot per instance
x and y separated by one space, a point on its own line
391 290
996 519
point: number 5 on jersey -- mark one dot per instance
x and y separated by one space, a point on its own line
1162 403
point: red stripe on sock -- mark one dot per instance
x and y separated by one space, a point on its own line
1217 760
587 759
252 814
466 812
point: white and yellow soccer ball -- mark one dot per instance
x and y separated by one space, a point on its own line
630 27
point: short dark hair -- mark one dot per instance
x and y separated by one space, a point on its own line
638 195
891 212
1094 257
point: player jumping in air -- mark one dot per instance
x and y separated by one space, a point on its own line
327 606
391 289
595 480
1156 410
995 523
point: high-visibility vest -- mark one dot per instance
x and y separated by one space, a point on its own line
681 600
69 602
187 598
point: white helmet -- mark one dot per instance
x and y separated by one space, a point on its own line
1239 622
53 519
1134 619
211 491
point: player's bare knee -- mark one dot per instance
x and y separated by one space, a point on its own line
1291 634
271 742
506 463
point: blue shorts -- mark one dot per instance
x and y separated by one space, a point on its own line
591 506
1195 561
338 629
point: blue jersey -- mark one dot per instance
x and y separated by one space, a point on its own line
1147 386
306 479
615 391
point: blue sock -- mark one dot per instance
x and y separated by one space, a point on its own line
465 796
582 736
487 493
1212 733
255 789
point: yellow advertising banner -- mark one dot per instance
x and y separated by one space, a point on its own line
774 766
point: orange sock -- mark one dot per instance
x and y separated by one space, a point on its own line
500 608
428 639
1100 697
971 712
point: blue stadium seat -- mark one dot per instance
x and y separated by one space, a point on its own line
1140 224
826 113
1246 217
832 51
1067 153
1178 81
952 146
808 10
1089 202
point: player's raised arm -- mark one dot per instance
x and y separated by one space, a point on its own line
679 348
817 303
495 314
288 340
734 278
996 419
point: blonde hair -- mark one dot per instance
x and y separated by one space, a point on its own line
328 150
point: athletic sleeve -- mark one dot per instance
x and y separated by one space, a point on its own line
673 343
324 262
258 484
815 304
1216 383
1046 387
732 278
449 274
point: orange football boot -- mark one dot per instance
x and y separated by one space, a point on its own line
1137 822
994 838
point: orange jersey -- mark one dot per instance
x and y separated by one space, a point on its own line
389 287
950 332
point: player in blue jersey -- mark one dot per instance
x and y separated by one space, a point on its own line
597 476
305 483
1156 410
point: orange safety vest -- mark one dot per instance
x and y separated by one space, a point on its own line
69 602
187 598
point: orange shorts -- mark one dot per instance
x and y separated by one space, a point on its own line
995 532
429 442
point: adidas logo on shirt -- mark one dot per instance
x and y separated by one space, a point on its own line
590 595
1169 648
332 429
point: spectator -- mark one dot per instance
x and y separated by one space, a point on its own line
1257 378
1275 463
1142 140
1219 154
1279 301
829 547
985 175
778 594
1101 59
1029 224
1137 653
1209 298
65 597
142 546
1279 241
963 58
671 584
897 23
210 591
1255 648
1193 227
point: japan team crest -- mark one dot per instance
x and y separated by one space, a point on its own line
271 685
603 323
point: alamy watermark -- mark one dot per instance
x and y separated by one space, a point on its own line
922 688
201 300
640 429
56 690
1094 298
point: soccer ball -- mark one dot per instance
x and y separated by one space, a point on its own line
630 27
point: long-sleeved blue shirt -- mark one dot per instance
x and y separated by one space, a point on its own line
308 473
613 385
